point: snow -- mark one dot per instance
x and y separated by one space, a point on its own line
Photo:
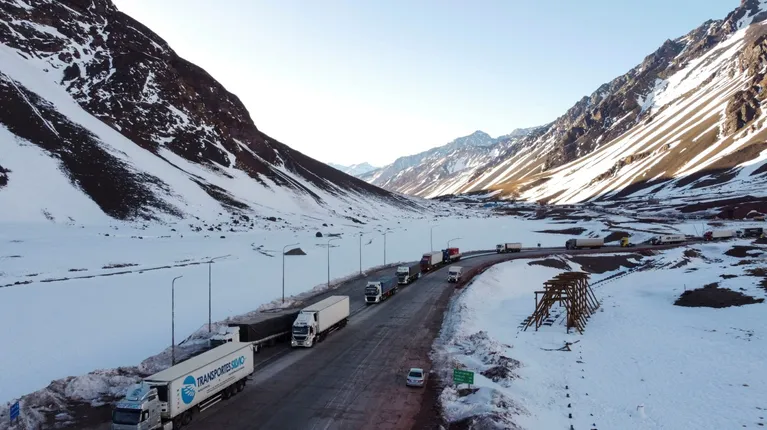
132 308
641 363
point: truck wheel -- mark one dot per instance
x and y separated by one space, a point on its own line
241 385
178 422
226 394
187 418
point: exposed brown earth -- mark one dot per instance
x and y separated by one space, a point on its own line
606 263
554 263
575 231
712 296
739 251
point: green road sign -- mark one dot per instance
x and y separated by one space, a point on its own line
463 376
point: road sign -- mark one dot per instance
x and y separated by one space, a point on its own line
463 376
14 411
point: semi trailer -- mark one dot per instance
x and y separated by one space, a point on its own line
264 329
719 234
169 399
408 274
380 290
664 239
450 255
508 247
316 321
585 243
454 273
751 232
430 261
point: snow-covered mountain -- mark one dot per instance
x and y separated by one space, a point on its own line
354 169
689 119
101 119
444 169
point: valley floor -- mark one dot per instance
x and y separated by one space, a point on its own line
642 362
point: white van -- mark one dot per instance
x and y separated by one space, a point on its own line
454 273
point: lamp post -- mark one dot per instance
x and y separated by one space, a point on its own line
431 237
361 233
455 238
173 320
329 240
384 235
283 269
210 294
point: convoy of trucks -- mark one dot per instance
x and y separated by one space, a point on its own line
593 243
719 234
454 273
665 239
316 321
430 261
380 290
408 274
508 247
169 399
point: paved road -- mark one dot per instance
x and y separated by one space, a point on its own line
355 378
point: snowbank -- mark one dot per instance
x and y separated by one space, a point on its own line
641 363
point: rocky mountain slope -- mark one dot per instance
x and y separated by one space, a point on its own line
444 169
101 119
689 119
354 169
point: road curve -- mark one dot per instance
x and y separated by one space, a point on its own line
355 378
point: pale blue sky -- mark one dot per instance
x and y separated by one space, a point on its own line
348 81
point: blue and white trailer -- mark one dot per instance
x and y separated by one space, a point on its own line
169 399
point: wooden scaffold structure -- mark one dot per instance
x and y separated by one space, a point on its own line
571 290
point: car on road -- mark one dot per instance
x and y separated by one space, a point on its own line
415 377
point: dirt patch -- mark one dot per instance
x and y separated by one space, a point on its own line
554 263
503 370
575 231
760 272
728 276
739 251
711 296
606 263
692 253
616 236
118 265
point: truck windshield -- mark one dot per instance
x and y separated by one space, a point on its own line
301 330
126 416
371 291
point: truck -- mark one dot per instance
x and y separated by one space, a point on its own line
626 242
508 247
380 290
430 261
316 321
454 273
451 255
169 399
664 239
264 329
751 232
408 274
718 234
594 243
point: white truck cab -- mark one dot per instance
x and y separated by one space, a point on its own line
140 410
454 273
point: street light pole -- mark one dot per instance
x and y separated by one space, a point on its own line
361 253
431 237
283 269
173 320
332 238
455 238
210 294
384 235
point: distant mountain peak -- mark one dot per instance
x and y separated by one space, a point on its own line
354 169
